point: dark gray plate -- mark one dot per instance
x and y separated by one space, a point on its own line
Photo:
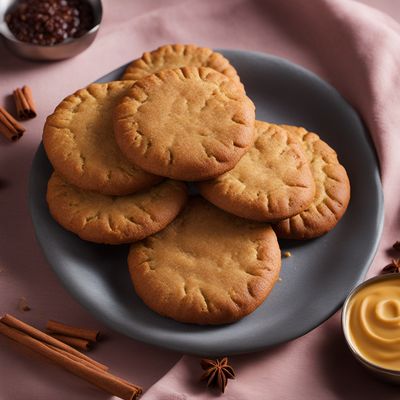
315 280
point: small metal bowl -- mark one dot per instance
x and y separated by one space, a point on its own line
66 49
392 376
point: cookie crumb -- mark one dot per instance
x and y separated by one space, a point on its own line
287 254
279 279
23 304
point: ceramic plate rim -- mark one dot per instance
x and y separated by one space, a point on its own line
171 345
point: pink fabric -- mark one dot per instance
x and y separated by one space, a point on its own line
354 47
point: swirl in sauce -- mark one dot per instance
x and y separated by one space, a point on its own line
373 321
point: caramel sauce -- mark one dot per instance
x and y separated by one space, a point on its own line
373 322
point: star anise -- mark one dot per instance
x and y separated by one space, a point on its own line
394 266
396 246
217 372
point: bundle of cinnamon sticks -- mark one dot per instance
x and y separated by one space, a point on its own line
24 103
67 357
79 338
10 128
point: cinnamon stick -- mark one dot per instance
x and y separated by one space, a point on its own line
10 128
75 358
76 342
102 379
24 103
78 364
15 323
68 330
114 377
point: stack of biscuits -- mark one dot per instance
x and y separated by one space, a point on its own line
124 151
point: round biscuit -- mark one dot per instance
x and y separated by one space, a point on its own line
80 144
332 193
272 181
207 267
114 219
187 124
172 56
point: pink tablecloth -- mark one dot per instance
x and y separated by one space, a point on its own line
354 47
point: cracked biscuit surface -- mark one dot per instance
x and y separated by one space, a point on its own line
172 56
79 141
332 193
114 219
188 123
206 267
272 181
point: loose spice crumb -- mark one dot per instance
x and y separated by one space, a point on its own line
287 254
279 279
396 246
23 304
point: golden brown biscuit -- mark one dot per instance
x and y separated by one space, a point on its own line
172 56
207 267
332 194
114 220
272 181
189 123
79 141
